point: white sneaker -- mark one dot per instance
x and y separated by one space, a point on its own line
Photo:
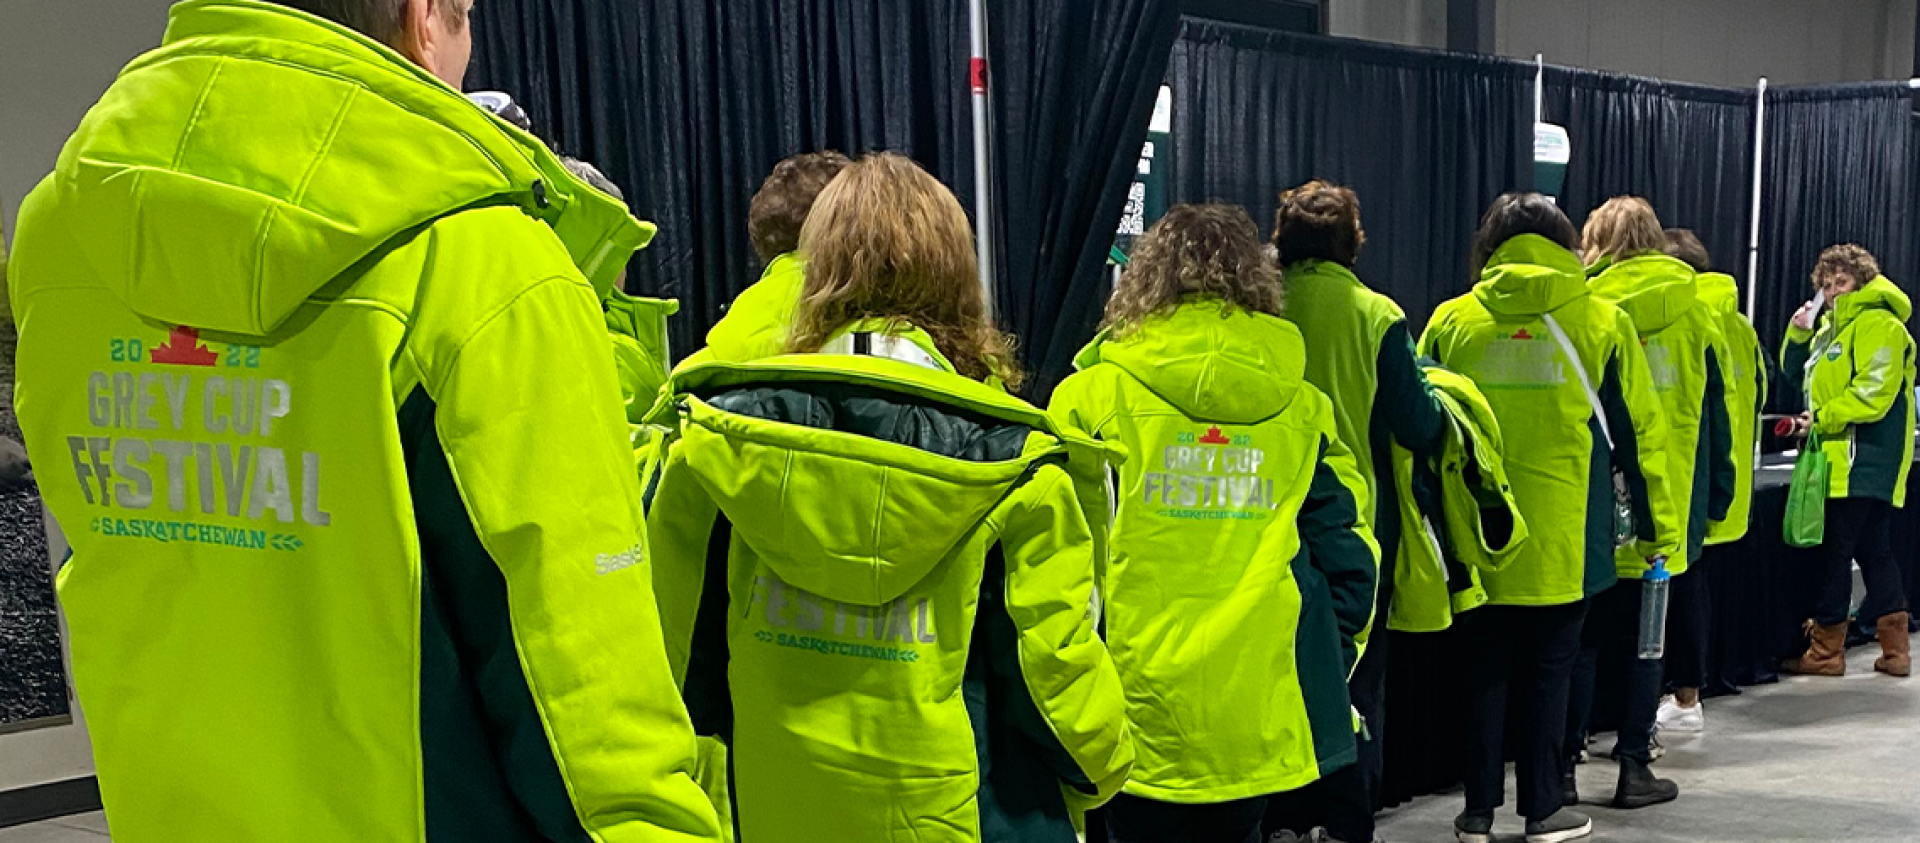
1673 718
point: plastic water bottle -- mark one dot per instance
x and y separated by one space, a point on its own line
1654 587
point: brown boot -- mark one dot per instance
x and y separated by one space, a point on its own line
1826 653
1894 645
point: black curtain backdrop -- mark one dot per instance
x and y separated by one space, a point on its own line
1427 139
1688 149
688 104
1839 168
1073 86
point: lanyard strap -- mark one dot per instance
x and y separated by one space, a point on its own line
1580 369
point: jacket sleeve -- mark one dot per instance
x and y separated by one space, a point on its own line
1716 433
1078 709
1639 430
1880 351
1794 351
1403 398
594 739
1339 542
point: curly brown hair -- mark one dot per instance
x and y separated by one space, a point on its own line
1318 220
780 207
1624 227
1210 250
1846 259
887 241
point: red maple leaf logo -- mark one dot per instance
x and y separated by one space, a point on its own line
183 348
1214 437
1523 335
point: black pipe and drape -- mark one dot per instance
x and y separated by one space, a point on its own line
1073 87
1427 139
688 104
1688 149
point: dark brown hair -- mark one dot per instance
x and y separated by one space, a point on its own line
1845 259
887 241
1514 214
1684 244
779 209
382 20
1195 249
1320 220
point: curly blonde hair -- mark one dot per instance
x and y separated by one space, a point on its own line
1846 259
1624 227
1210 250
887 241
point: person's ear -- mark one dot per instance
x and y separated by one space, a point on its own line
416 35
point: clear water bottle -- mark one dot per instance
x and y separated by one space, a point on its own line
1655 585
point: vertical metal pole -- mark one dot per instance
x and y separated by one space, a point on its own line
1759 161
982 149
1539 88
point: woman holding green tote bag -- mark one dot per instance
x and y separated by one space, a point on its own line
1859 387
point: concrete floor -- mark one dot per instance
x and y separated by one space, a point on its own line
1804 760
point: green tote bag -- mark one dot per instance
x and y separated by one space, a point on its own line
1806 521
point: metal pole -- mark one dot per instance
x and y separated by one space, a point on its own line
1753 238
982 149
1539 88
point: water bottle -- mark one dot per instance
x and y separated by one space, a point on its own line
1654 586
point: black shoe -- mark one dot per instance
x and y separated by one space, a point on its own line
1473 826
1569 790
1639 788
1565 824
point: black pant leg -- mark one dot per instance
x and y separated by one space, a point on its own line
1346 802
1688 621
1639 698
1833 601
1582 679
1132 819
1350 796
1491 634
1886 587
1541 678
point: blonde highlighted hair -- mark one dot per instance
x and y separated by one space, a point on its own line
1624 227
1210 250
886 241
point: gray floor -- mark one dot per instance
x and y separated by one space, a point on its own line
1804 760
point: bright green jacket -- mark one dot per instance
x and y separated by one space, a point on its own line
358 553
1556 456
1681 335
1861 389
1360 355
877 584
1745 367
756 324
1458 509
637 328
1242 568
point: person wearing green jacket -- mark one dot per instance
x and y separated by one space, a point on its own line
357 541
876 571
1360 354
1859 384
1566 460
1242 572
1624 244
755 324
1745 370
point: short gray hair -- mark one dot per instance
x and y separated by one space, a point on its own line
592 175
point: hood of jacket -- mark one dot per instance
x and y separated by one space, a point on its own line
1656 290
260 152
1530 275
756 324
853 477
1878 294
1718 291
1212 361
